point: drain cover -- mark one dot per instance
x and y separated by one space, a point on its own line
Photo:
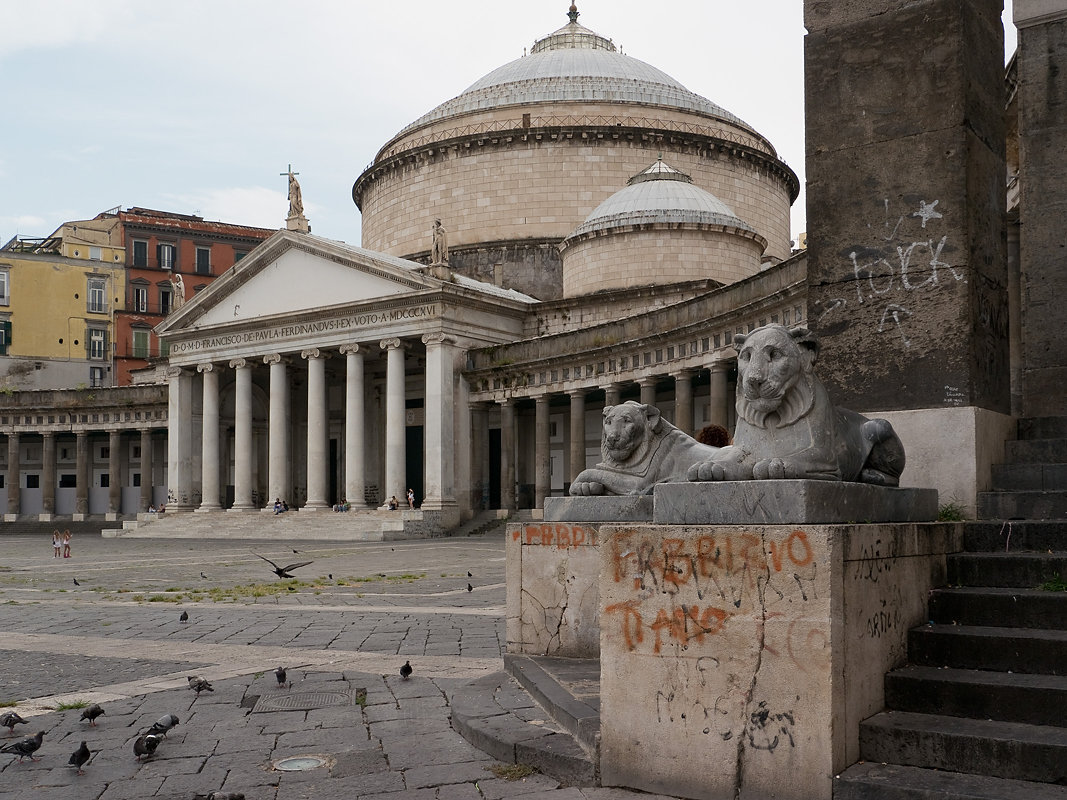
301 701
299 763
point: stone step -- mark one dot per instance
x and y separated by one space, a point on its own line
1022 505
1023 570
1032 651
1036 451
550 682
34 527
1042 428
1014 535
876 781
1011 750
999 607
979 694
1029 477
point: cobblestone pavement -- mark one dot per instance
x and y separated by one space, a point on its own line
342 628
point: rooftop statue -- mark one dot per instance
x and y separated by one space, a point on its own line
178 297
787 427
439 248
296 199
640 449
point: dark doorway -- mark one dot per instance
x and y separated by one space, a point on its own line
494 468
413 458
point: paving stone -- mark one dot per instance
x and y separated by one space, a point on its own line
498 789
360 762
438 775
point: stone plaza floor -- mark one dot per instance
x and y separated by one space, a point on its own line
342 629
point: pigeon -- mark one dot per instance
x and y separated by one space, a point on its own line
283 572
146 745
280 675
9 719
92 712
198 684
405 671
470 588
25 747
184 617
76 582
295 550
469 574
202 575
163 724
330 576
79 757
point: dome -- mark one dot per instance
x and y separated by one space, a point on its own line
660 194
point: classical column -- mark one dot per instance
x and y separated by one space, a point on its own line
683 401
316 465
242 435
48 474
13 481
479 456
612 394
438 468
648 390
461 438
146 469
542 455
114 473
719 394
210 456
278 469
355 458
179 439
576 433
81 473
507 454
395 432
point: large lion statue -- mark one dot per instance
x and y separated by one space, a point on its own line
787 427
640 449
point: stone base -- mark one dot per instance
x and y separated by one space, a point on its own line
613 508
45 517
789 503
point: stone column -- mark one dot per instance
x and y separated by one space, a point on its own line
462 437
395 422
907 284
648 390
719 394
576 433
81 473
210 457
507 454
542 452
317 432
13 481
439 467
355 457
279 483
612 394
683 401
48 476
114 474
146 469
479 456
179 440
1042 100
242 435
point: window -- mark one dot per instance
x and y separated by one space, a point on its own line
140 344
165 252
68 481
33 481
96 253
140 299
96 376
97 344
105 480
137 479
203 261
5 336
238 255
164 300
140 253
97 299
5 296
164 349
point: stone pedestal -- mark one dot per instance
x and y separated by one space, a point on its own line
608 508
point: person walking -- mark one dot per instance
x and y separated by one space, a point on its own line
411 498
56 543
66 543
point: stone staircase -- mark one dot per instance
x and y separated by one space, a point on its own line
980 710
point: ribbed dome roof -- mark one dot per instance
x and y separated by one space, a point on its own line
660 194
575 64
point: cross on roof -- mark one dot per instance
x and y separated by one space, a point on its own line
290 172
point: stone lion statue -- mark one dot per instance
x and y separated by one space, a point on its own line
787 427
640 449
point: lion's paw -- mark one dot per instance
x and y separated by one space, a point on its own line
586 489
706 471
774 469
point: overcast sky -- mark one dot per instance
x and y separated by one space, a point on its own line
197 106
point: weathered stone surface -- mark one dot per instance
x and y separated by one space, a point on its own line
790 502
607 508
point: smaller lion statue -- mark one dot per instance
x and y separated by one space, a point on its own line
640 449
787 427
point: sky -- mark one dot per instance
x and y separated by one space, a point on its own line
200 106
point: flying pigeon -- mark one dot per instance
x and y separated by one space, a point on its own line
405 671
146 745
79 757
198 684
92 712
184 617
25 747
9 719
163 724
280 675
283 572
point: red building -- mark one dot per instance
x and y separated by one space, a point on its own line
164 252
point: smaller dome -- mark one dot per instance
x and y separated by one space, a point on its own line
660 194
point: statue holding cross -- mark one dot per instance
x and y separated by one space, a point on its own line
296 201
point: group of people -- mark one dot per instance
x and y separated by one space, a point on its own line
61 542
153 510
280 506
394 504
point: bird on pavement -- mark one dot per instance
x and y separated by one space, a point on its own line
198 684
76 582
92 712
9 719
79 757
469 574
406 670
470 588
202 575
283 572
146 745
25 747
163 724
184 617
280 675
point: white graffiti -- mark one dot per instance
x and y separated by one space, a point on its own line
895 312
926 212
